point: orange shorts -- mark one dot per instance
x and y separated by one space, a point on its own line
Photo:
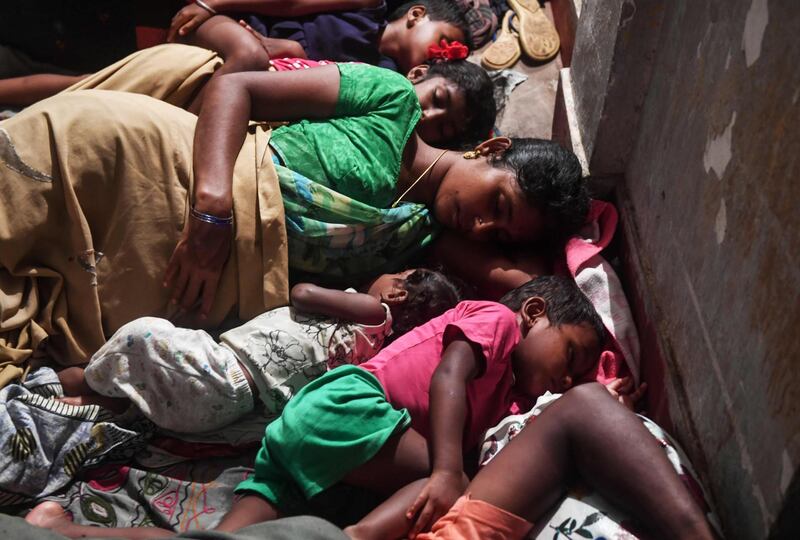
471 519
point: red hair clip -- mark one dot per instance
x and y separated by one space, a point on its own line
448 51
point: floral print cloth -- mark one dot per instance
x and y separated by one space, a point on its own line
333 237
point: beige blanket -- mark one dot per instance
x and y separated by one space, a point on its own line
173 73
93 198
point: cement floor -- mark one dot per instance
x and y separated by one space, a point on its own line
529 112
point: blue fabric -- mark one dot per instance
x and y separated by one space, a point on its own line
345 36
46 442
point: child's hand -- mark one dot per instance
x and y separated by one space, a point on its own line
187 20
436 498
623 390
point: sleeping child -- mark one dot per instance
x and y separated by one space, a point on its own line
338 31
456 96
414 409
400 423
184 381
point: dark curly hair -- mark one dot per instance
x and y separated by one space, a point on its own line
552 179
439 10
478 91
430 293
565 303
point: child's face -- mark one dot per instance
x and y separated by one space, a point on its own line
444 109
389 288
420 33
551 357
485 203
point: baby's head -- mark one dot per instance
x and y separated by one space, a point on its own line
414 297
457 100
561 335
423 23
517 191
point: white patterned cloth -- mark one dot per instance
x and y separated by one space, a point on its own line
284 349
181 379
185 382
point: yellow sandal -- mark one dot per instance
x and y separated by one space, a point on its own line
504 52
537 35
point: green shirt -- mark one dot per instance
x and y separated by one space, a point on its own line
357 152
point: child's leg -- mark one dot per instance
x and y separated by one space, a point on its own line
73 382
240 49
401 469
248 510
78 392
115 405
587 433
50 515
276 47
389 519
29 89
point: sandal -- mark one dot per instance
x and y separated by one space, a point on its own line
504 52
538 36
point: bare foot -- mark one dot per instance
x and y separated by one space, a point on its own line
115 405
49 515
73 381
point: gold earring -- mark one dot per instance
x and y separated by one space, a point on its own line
471 154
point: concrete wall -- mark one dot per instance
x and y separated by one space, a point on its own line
615 48
712 190
591 63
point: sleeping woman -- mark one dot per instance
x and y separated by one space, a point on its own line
118 205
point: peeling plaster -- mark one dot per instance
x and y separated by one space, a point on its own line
721 223
702 41
718 150
754 27
727 401
787 471
728 60
795 96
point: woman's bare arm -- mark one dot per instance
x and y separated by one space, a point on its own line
356 307
492 269
230 102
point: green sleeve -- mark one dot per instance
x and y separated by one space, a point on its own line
357 152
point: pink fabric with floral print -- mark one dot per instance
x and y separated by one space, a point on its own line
294 64
599 282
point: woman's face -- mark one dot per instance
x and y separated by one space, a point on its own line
444 110
485 203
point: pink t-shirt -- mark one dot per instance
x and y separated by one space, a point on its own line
405 367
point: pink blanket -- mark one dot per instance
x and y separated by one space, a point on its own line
598 280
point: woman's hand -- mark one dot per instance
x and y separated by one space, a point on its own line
195 268
187 20
439 494
624 392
